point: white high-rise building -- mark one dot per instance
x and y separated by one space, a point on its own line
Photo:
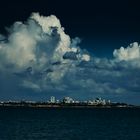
52 100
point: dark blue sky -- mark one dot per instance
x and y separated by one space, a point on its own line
102 25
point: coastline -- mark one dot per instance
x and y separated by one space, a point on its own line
66 106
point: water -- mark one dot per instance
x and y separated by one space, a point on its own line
69 124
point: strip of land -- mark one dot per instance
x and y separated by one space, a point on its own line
64 105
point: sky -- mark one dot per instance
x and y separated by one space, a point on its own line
83 49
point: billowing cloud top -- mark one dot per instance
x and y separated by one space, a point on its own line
39 56
39 41
129 53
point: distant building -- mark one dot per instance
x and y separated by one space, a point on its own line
98 101
90 102
77 102
57 101
103 102
52 100
109 102
68 100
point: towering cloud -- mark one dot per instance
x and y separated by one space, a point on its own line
39 41
42 45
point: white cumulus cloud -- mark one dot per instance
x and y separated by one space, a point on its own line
130 53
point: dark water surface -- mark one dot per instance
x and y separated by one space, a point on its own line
69 124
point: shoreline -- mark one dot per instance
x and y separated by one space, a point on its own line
65 106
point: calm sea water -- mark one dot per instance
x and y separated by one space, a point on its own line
69 124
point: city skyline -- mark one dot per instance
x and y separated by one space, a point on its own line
53 102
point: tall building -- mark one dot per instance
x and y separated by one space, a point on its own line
52 100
